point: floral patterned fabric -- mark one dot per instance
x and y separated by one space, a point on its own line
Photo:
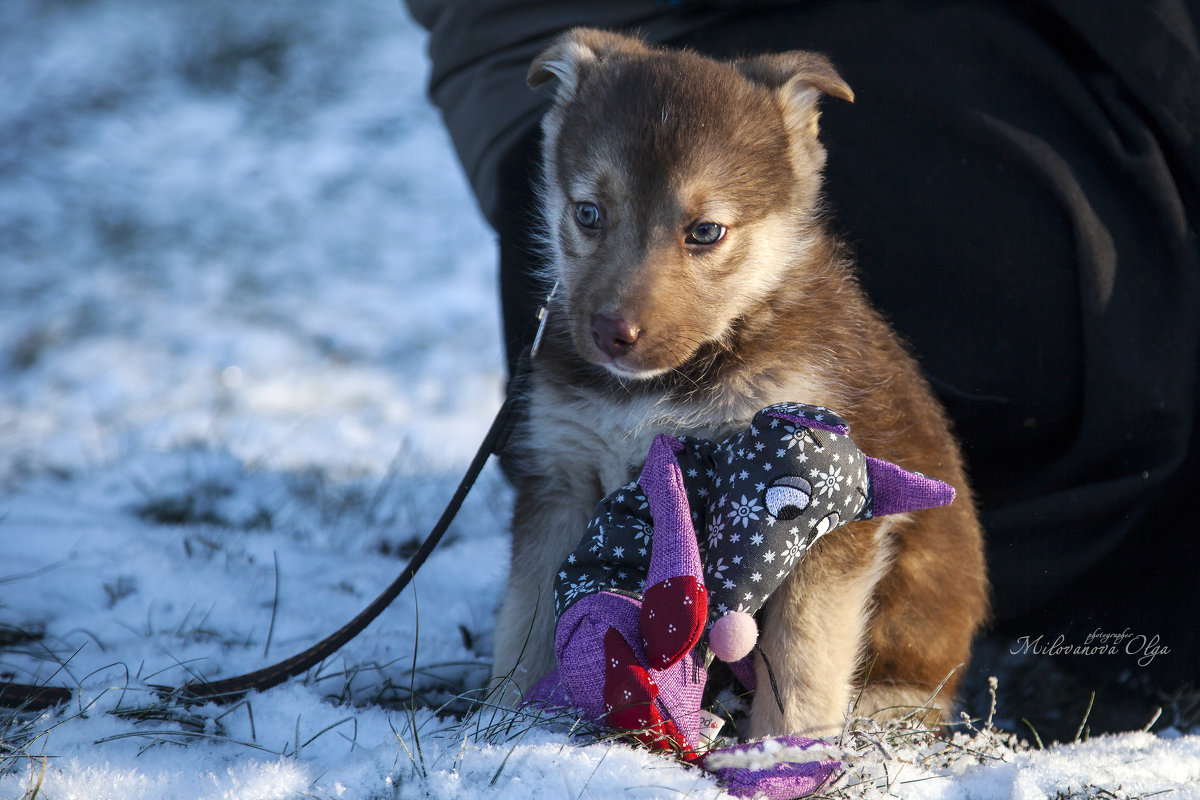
759 500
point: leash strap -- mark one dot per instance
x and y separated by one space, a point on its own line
34 698
234 688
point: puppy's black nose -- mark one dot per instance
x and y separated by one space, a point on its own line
614 337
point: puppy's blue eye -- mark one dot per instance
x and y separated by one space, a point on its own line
588 215
706 233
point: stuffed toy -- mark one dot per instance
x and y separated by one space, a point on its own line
673 567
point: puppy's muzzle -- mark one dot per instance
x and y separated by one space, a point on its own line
614 337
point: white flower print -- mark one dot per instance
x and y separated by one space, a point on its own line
794 436
716 530
717 570
584 585
829 482
794 548
744 511
597 540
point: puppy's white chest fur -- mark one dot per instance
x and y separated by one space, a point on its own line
586 438
599 442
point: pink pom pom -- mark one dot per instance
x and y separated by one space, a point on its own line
732 637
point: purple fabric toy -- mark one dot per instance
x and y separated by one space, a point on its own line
698 544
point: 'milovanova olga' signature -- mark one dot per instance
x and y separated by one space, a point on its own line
1097 643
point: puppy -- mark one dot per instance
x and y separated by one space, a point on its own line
695 285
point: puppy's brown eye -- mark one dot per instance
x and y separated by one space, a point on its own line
705 233
588 215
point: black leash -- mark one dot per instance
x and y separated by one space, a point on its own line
35 698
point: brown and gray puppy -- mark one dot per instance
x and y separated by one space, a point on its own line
697 284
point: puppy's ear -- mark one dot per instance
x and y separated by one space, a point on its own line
574 54
799 78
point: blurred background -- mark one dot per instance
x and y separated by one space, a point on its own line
233 222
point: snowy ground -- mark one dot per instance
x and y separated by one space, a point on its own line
248 341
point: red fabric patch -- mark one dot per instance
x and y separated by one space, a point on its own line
629 694
673 616
629 691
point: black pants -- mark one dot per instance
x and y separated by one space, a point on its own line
1022 222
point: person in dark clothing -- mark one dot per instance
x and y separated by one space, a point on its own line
1021 184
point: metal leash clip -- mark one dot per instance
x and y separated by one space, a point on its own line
542 314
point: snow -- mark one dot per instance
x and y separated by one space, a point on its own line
248 343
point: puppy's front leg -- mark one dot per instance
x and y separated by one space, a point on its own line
548 520
815 632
